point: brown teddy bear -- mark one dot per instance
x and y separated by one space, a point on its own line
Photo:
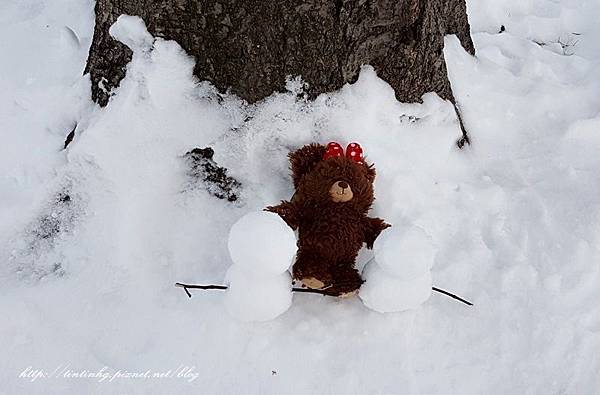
334 193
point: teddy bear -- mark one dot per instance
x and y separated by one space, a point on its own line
333 194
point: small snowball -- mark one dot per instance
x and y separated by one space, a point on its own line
262 244
131 31
405 252
251 298
384 293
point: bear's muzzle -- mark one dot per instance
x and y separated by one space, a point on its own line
341 192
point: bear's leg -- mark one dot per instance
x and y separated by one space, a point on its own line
311 271
345 281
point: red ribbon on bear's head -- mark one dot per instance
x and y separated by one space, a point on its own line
353 151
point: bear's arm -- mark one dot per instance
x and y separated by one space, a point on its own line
372 228
288 212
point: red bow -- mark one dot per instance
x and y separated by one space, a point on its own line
353 151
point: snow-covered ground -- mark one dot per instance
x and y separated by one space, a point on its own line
87 281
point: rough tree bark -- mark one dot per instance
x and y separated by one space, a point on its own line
251 46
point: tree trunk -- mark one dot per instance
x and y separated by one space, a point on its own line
251 46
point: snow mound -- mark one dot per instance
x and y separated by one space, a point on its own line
262 243
250 298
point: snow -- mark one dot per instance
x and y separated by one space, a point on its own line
386 293
131 31
257 298
262 247
404 251
399 276
514 218
262 244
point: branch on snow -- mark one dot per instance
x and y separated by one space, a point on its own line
186 288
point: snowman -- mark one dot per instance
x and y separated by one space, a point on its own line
262 248
398 278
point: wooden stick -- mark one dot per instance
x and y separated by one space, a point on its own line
452 296
195 286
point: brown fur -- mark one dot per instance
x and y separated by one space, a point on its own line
330 234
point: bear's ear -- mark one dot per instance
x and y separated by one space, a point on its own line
305 159
371 172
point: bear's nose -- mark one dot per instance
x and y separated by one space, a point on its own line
340 192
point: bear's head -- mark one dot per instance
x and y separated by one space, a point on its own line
323 179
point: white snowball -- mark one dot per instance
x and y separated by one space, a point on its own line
252 298
384 293
406 252
131 31
262 243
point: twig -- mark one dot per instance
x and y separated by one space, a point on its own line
464 139
302 290
195 286
224 287
452 295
